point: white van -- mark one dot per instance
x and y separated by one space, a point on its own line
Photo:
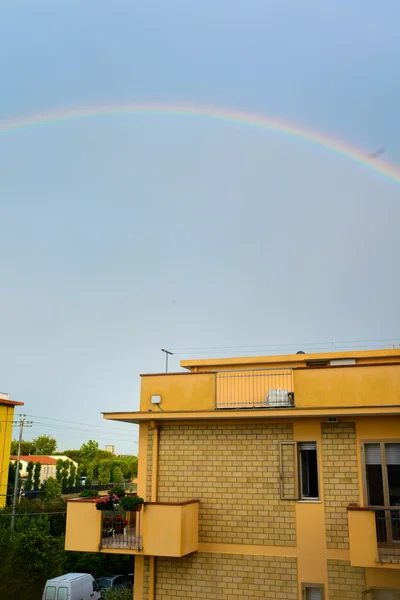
72 586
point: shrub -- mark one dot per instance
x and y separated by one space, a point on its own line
117 490
131 502
118 594
89 494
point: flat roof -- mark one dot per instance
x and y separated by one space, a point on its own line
10 402
290 359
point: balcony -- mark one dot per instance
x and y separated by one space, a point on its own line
160 529
261 388
374 537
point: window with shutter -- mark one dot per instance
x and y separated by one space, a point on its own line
308 470
313 591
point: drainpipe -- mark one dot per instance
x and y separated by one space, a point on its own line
154 485
154 473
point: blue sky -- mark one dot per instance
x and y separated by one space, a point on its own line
122 235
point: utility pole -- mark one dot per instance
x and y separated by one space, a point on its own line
21 429
167 353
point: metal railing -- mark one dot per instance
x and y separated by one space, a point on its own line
120 529
388 533
261 388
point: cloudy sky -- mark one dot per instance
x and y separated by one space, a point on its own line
121 235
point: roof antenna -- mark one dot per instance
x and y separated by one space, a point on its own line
167 354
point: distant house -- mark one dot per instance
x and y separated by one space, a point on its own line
48 465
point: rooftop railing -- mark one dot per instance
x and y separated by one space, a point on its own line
261 388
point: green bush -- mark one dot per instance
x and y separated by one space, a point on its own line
121 594
131 502
118 490
89 494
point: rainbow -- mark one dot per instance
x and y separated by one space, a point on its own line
356 155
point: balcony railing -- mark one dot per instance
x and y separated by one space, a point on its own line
261 388
388 533
120 529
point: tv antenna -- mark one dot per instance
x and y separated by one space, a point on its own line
167 354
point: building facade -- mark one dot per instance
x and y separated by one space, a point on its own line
48 465
273 477
6 422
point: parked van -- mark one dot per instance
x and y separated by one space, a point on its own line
72 586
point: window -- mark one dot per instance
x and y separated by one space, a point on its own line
382 471
308 470
299 471
50 593
62 593
312 591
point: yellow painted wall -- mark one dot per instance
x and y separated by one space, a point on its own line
83 528
312 551
190 528
167 530
162 530
382 578
178 392
347 386
363 542
6 417
170 530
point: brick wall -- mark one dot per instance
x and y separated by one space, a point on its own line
234 471
207 576
339 453
345 582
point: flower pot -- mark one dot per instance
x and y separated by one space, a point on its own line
138 507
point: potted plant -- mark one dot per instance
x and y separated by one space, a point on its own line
106 502
131 503
113 524
117 490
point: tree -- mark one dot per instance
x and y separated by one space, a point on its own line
78 476
89 475
74 455
44 444
29 475
51 488
64 474
116 474
36 476
105 471
11 481
37 556
27 448
72 475
88 452
59 468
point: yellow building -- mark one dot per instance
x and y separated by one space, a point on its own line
6 419
271 477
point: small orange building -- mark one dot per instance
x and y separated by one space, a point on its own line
269 477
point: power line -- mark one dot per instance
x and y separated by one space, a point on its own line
78 431
326 344
76 423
